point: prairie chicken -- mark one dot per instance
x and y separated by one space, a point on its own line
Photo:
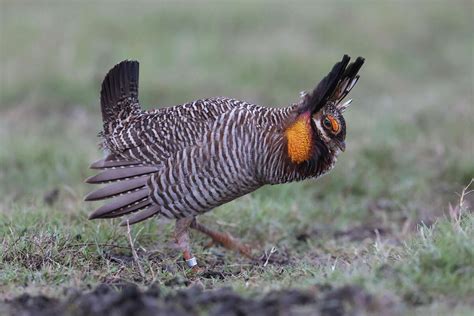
182 161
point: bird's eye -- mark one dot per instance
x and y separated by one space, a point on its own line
327 123
332 124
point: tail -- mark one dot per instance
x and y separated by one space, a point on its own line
119 93
126 180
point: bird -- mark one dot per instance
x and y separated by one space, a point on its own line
182 161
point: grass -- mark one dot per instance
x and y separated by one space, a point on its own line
49 250
381 219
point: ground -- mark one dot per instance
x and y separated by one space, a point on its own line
387 232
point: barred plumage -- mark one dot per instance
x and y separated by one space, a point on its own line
185 160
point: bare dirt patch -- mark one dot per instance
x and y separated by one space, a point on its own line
128 299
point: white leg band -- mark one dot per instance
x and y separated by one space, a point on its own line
191 262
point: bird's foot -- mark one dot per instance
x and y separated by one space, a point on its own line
228 241
196 270
209 244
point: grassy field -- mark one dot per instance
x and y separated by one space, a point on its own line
389 220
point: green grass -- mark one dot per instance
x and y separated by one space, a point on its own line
409 139
440 262
46 249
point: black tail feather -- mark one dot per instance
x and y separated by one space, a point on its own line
119 91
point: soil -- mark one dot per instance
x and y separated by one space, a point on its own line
128 299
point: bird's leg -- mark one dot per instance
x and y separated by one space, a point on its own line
182 240
225 239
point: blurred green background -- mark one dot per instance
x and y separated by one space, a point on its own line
409 131
410 127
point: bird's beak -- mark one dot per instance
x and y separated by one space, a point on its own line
341 145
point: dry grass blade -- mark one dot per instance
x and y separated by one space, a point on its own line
456 212
134 253
272 251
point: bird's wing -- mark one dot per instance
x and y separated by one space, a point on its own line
153 138
137 153
141 145
217 170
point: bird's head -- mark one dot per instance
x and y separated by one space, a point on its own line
331 127
319 118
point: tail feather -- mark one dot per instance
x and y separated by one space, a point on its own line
119 93
126 179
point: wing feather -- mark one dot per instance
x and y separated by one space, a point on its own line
201 177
